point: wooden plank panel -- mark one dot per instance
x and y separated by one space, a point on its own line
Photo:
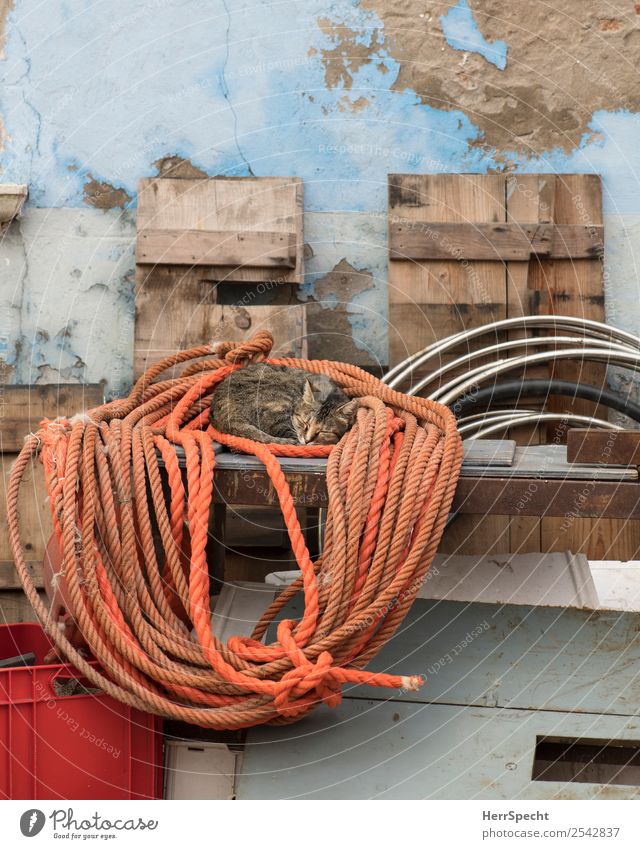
200 247
23 407
527 203
35 518
177 311
9 579
15 607
234 205
426 240
618 447
576 287
432 299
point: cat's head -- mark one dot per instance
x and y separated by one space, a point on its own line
326 422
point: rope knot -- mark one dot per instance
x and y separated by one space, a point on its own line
307 683
255 350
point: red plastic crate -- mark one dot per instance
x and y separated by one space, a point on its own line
85 746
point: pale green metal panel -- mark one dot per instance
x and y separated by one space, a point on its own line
398 750
515 656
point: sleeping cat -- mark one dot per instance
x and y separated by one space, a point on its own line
283 405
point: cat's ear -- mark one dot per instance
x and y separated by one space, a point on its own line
350 408
307 395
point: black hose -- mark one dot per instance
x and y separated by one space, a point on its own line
541 388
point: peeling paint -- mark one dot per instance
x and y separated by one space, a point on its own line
102 195
354 91
330 326
563 68
6 6
349 51
461 32
178 167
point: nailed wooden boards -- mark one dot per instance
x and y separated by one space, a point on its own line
170 318
195 234
430 298
430 240
23 409
244 229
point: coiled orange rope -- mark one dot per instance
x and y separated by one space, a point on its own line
147 618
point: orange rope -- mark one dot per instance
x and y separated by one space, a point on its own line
147 618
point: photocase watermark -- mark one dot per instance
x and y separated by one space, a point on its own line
32 822
65 825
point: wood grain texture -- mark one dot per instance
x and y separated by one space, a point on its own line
9 579
431 299
576 287
174 312
22 408
15 607
234 205
35 518
422 240
205 247
620 447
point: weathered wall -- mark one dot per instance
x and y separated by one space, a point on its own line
96 96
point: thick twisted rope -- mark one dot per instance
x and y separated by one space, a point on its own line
147 618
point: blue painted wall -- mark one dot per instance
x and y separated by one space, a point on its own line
95 91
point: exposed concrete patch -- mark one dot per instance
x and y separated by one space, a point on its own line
72 374
102 195
349 53
6 6
179 168
342 284
330 332
565 63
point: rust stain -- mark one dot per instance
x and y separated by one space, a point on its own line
102 195
609 25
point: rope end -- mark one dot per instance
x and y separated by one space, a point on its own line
412 682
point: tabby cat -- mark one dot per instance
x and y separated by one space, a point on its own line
284 405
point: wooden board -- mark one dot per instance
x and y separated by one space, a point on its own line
15 607
172 314
23 407
233 205
435 298
432 299
206 247
576 287
621 447
9 579
421 240
35 518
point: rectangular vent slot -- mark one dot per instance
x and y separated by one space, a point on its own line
587 761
